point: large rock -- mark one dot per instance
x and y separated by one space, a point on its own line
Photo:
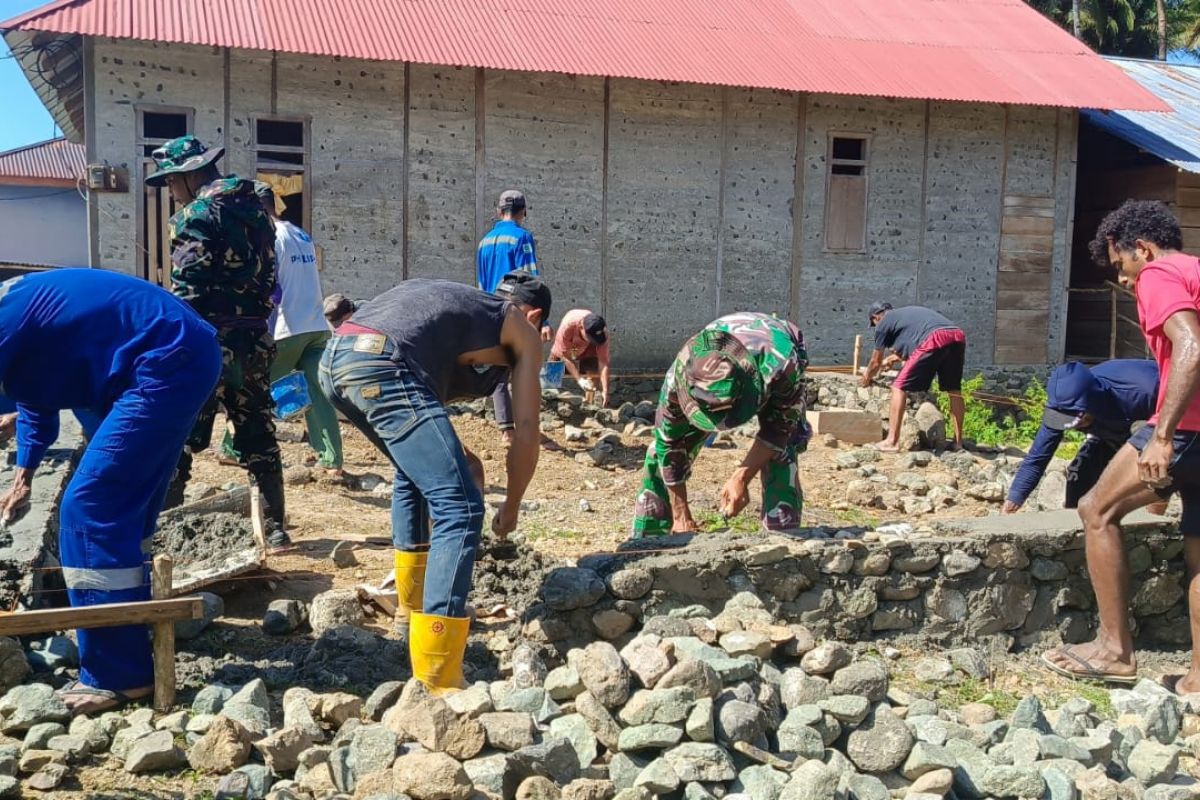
646 660
604 673
812 780
630 584
224 748
1151 762
283 616
697 675
333 608
866 678
382 698
568 588
553 757
825 659
654 736
694 761
881 743
800 689
154 752
739 721
599 719
214 607
657 705
431 776
931 425
372 748
281 750
574 728
25 706
760 782
14 667
508 730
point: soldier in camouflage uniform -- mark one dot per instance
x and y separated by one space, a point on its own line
739 366
223 265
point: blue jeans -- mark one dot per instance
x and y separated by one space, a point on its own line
365 379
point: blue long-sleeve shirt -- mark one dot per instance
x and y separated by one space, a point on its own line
1124 391
72 339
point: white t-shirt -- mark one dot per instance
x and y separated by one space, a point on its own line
299 309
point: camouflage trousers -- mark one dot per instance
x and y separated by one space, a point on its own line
782 497
244 394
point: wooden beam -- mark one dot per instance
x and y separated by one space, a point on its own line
1036 226
107 615
1026 262
1028 200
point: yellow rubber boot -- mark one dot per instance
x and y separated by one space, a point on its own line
436 646
410 584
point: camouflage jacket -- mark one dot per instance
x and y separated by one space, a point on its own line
776 349
223 255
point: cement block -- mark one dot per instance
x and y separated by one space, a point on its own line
847 424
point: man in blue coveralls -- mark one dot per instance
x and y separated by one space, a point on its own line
137 365
1104 401
507 247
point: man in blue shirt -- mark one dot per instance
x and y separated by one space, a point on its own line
137 365
507 247
1104 401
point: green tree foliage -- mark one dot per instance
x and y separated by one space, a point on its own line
1012 423
1127 27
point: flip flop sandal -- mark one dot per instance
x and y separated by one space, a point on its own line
1089 672
78 689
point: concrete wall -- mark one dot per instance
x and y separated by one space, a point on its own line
45 225
660 205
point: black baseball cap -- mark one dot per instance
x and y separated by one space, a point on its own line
877 307
525 288
596 328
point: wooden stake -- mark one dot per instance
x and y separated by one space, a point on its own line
857 350
164 636
256 519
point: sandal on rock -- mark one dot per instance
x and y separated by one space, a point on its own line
1088 673
103 699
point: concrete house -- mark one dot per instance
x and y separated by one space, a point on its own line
43 216
682 158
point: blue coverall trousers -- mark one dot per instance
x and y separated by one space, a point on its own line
111 505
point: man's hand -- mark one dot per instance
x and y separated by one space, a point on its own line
8 427
1009 507
891 360
865 380
505 521
15 501
1154 463
547 333
734 496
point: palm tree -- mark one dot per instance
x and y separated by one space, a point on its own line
1160 10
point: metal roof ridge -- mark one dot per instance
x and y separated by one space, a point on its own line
34 13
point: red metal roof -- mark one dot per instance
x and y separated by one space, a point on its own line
56 161
999 51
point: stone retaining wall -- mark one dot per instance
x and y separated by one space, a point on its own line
1029 584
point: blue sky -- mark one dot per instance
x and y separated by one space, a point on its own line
25 119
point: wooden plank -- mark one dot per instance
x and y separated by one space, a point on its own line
108 615
1187 195
1023 281
164 637
1026 262
1187 180
1013 243
1029 211
1022 300
1034 201
1037 226
848 425
1189 217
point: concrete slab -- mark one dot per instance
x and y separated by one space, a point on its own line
1033 523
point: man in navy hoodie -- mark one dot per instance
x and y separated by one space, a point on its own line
1103 401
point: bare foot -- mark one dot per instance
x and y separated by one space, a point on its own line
1188 684
885 447
507 436
1090 661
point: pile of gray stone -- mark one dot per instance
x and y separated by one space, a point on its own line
928 482
735 706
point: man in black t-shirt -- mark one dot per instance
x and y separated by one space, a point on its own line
929 345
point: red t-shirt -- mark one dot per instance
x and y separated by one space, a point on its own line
1166 287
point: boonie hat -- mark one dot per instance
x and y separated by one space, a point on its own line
180 155
718 386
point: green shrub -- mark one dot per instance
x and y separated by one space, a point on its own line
1006 424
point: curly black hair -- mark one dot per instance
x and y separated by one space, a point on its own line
1148 220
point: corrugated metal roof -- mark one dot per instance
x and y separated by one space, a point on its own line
54 161
999 51
1173 137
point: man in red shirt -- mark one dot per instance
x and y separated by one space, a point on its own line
582 343
1142 240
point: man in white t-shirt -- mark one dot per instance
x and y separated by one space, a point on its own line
300 330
